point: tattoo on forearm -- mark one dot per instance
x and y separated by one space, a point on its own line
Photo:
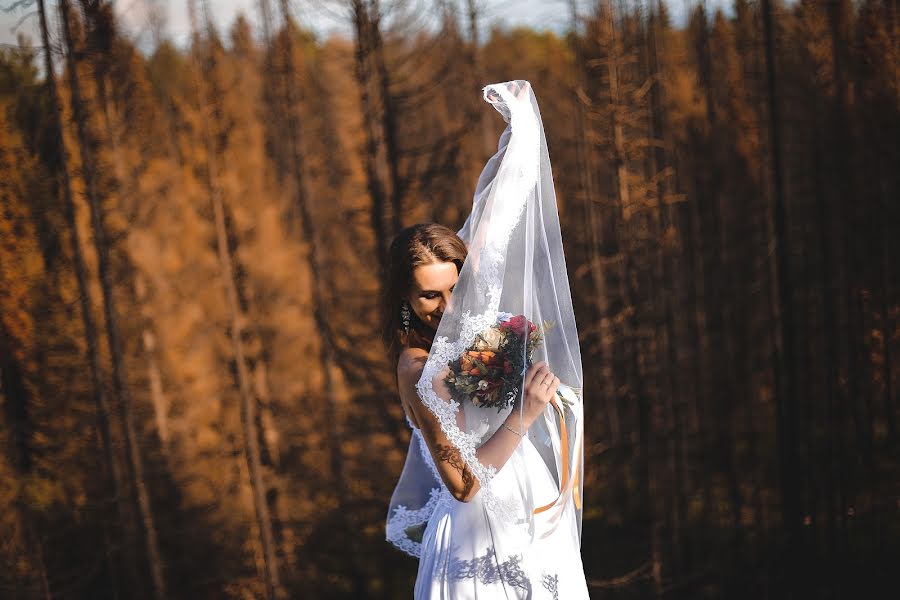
451 456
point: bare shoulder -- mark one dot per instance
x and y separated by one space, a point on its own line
410 365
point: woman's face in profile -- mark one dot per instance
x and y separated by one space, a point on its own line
432 285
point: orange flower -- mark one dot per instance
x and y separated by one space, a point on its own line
488 357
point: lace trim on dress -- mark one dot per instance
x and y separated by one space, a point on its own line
551 584
403 519
488 570
488 281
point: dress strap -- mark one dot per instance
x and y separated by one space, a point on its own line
409 421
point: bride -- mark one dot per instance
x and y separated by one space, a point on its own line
481 328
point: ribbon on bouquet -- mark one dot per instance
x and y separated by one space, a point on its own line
564 478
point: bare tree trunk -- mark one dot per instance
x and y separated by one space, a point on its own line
588 197
154 376
668 342
829 290
302 197
717 271
890 402
373 158
838 13
248 405
474 13
612 66
110 117
887 332
38 551
248 400
388 119
101 402
638 392
271 95
148 337
120 386
16 401
786 392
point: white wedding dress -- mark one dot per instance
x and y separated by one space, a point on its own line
467 555
519 537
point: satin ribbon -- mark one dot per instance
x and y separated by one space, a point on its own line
564 479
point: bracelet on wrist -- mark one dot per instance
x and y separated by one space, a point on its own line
513 430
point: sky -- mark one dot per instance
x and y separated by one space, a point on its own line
323 16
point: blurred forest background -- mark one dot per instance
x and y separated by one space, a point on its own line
195 403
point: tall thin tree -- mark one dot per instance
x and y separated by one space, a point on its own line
786 392
101 401
626 234
301 198
120 385
248 408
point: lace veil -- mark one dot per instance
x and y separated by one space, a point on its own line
513 282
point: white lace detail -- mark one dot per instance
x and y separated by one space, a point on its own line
402 519
488 570
488 281
525 151
551 584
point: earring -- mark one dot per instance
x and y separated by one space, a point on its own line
404 316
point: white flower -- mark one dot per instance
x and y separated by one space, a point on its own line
491 338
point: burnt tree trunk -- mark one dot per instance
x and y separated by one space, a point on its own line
665 269
248 405
373 157
101 402
638 392
786 391
16 405
301 198
120 385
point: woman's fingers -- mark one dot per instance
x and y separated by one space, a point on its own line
532 372
554 386
541 383
547 378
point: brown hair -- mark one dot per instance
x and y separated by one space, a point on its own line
416 245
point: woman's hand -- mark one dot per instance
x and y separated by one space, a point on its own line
540 387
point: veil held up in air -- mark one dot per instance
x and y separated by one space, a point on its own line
511 307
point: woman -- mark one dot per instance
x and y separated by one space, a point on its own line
496 434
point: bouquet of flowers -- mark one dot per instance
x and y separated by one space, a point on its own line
489 373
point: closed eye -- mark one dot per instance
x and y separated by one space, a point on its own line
432 295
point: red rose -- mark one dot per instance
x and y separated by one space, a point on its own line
517 325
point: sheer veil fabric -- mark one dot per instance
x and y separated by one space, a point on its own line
527 514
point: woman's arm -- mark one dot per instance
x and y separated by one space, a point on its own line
540 386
